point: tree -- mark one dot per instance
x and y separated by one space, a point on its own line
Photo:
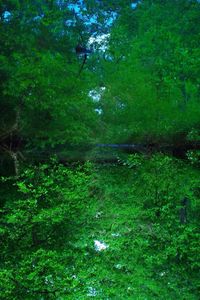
153 87
44 101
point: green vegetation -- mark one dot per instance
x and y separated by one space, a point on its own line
147 249
153 86
79 220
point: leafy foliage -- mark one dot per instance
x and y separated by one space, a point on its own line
152 76
124 230
38 226
148 250
45 100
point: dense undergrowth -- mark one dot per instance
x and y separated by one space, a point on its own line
126 231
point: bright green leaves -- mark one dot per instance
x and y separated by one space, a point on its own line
143 214
50 200
166 183
59 213
22 187
43 274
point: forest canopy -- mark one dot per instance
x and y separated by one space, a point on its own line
100 149
149 69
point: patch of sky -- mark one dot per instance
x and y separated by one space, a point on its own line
6 15
70 23
96 93
99 42
74 7
98 111
92 292
38 18
135 4
61 3
108 57
111 16
77 7
92 18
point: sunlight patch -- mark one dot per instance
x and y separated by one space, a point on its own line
100 246
92 292
117 234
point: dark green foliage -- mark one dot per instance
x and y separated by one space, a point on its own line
43 100
152 78
126 230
